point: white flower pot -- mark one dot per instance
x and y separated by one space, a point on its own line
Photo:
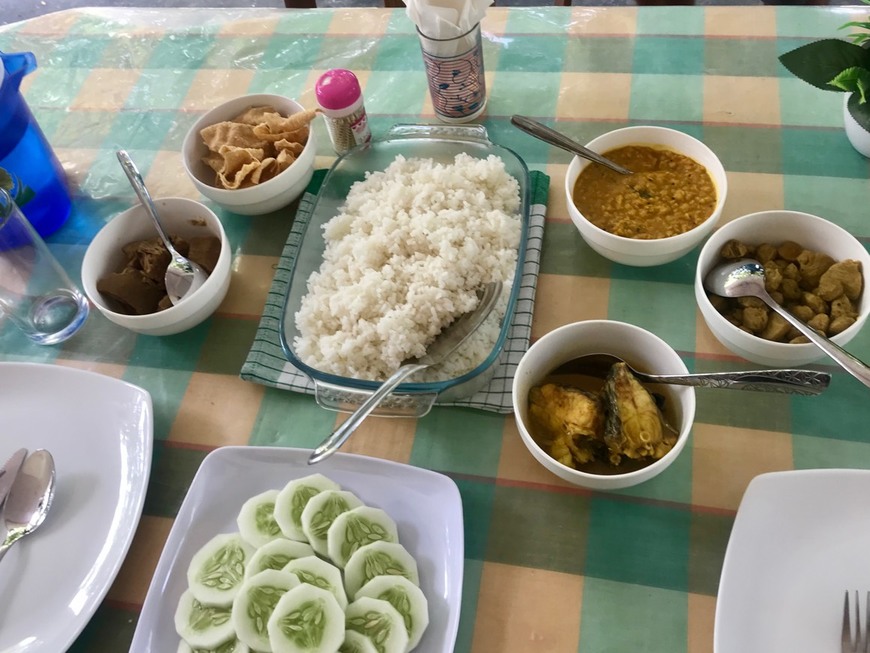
857 135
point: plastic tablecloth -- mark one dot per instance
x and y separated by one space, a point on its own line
548 566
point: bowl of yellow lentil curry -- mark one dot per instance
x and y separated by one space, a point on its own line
659 213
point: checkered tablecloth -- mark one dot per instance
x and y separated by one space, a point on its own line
548 567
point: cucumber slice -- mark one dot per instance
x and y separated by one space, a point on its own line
379 559
407 598
307 619
276 554
232 646
217 570
356 528
321 511
202 626
318 572
355 642
292 499
256 519
254 604
380 622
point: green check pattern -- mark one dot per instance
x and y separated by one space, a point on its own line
548 567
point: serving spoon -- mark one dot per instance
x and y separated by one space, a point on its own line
183 276
551 136
745 278
800 382
29 499
444 344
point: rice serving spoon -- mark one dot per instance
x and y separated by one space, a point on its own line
745 278
183 276
29 498
551 136
800 382
443 345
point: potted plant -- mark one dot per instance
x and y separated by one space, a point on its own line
842 66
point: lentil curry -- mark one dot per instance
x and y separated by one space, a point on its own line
668 194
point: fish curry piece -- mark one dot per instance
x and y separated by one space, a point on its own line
622 420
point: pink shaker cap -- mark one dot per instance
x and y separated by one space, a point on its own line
337 89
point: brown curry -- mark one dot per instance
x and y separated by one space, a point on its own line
668 194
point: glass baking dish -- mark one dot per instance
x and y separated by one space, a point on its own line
442 144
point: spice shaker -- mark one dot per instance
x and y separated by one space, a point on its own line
340 98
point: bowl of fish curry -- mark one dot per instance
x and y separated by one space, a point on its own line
603 431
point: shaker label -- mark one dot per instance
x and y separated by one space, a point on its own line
360 129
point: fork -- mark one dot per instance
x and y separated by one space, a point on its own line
860 643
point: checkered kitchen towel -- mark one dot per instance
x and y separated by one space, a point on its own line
267 364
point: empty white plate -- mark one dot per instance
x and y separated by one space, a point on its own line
800 540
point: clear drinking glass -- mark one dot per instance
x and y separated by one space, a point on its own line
36 294
454 70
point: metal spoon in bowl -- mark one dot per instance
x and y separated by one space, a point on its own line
745 278
444 345
800 382
551 136
183 276
29 499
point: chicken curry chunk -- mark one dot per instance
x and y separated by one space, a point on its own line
811 285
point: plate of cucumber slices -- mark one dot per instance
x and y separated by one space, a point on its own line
270 554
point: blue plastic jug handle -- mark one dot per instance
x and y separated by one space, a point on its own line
17 65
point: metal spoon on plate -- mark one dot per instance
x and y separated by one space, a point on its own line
29 498
183 276
745 278
800 382
551 136
444 345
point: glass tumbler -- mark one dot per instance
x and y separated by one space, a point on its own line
36 295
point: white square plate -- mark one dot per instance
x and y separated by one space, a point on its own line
800 540
99 431
426 507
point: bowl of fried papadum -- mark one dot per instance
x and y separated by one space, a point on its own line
253 154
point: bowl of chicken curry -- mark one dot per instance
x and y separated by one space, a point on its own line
814 269
603 430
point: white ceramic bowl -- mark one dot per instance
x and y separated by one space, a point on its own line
633 251
265 197
774 227
641 349
181 216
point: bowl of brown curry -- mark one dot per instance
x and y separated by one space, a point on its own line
666 208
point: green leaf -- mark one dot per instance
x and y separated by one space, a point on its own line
852 80
819 62
860 112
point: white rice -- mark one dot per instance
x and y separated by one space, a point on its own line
403 259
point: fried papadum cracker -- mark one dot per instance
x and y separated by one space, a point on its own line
256 145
